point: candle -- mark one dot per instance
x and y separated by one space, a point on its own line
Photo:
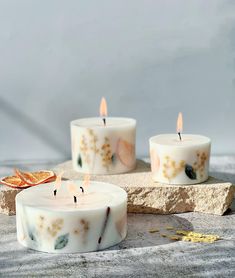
103 145
71 221
180 158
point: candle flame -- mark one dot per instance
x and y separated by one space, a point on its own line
58 180
179 127
72 188
103 108
86 180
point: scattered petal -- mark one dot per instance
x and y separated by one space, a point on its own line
169 228
153 231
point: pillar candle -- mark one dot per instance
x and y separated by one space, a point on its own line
99 148
56 224
176 161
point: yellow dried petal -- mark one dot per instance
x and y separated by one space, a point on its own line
195 239
207 240
169 228
193 234
175 237
185 238
153 231
163 235
213 237
182 232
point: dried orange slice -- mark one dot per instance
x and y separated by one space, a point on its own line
126 153
14 182
34 178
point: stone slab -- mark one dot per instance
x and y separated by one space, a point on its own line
146 196
7 199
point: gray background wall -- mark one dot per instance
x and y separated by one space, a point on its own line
150 59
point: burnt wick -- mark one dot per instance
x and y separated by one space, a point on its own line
104 120
82 189
180 136
55 191
75 199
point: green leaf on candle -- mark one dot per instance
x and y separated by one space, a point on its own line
32 236
80 160
61 241
189 171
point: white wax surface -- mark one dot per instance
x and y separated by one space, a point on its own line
173 140
96 195
97 122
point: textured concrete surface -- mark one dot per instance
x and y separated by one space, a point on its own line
141 254
146 196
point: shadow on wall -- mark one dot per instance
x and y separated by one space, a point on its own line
34 127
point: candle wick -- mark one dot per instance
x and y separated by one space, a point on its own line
104 120
180 136
75 199
55 191
82 189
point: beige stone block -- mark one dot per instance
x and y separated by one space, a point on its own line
7 199
146 196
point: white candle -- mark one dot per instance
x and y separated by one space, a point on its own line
180 159
56 224
103 149
176 161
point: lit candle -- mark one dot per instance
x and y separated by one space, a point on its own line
180 158
58 182
73 221
103 110
103 145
